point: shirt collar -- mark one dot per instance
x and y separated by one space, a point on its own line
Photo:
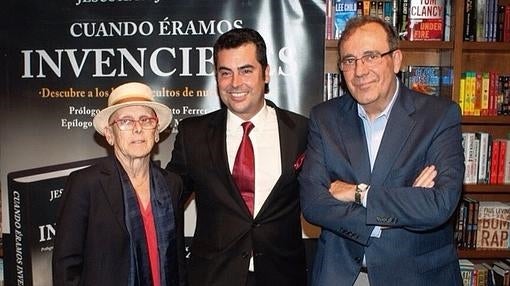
386 112
234 121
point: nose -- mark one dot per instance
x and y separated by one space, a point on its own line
137 128
236 80
360 68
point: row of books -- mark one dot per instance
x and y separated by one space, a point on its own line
486 160
486 21
424 79
414 20
495 273
482 224
484 93
332 86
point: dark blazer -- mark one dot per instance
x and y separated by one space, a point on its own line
92 242
418 248
225 231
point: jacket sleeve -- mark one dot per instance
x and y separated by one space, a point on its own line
179 165
319 207
422 209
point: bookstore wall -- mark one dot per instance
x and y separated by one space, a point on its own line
459 49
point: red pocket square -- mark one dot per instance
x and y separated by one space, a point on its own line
299 161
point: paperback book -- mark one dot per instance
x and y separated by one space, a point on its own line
426 20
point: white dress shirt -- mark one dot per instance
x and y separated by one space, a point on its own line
266 149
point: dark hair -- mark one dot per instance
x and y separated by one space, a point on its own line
238 37
354 23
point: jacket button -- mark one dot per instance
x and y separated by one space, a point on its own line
357 259
245 254
255 224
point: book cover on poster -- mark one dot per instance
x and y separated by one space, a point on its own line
34 200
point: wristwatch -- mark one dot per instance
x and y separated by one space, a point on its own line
360 188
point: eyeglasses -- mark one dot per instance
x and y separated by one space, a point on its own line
370 59
127 124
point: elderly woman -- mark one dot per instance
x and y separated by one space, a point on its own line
119 221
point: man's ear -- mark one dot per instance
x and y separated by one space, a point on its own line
108 135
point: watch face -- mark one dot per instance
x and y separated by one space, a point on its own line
361 187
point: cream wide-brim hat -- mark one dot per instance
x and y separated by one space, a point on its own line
132 94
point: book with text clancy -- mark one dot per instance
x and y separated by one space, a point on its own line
426 20
33 204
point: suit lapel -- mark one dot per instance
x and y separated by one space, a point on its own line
397 131
288 148
351 132
217 144
110 183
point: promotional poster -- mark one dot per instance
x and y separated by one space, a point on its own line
62 60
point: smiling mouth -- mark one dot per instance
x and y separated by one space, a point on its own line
363 85
238 94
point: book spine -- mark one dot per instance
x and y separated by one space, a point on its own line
359 8
468 20
494 162
366 7
478 94
501 161
500 23
329 20
506 163
484 108
18 224
403 20
493 91
380 9
462 93
388 12
481 7
483 137
506 24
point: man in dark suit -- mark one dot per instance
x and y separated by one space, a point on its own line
383 172
119 221
248 229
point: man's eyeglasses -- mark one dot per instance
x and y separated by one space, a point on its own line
370 59
127 124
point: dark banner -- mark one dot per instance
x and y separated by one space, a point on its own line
61 60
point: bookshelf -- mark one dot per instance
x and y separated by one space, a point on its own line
462 56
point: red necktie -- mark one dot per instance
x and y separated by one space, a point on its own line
244 168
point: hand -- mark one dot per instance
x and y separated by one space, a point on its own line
426 177
342 191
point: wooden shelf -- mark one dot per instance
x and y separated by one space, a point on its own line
486 46
483 253
487 189
486 120
408 45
